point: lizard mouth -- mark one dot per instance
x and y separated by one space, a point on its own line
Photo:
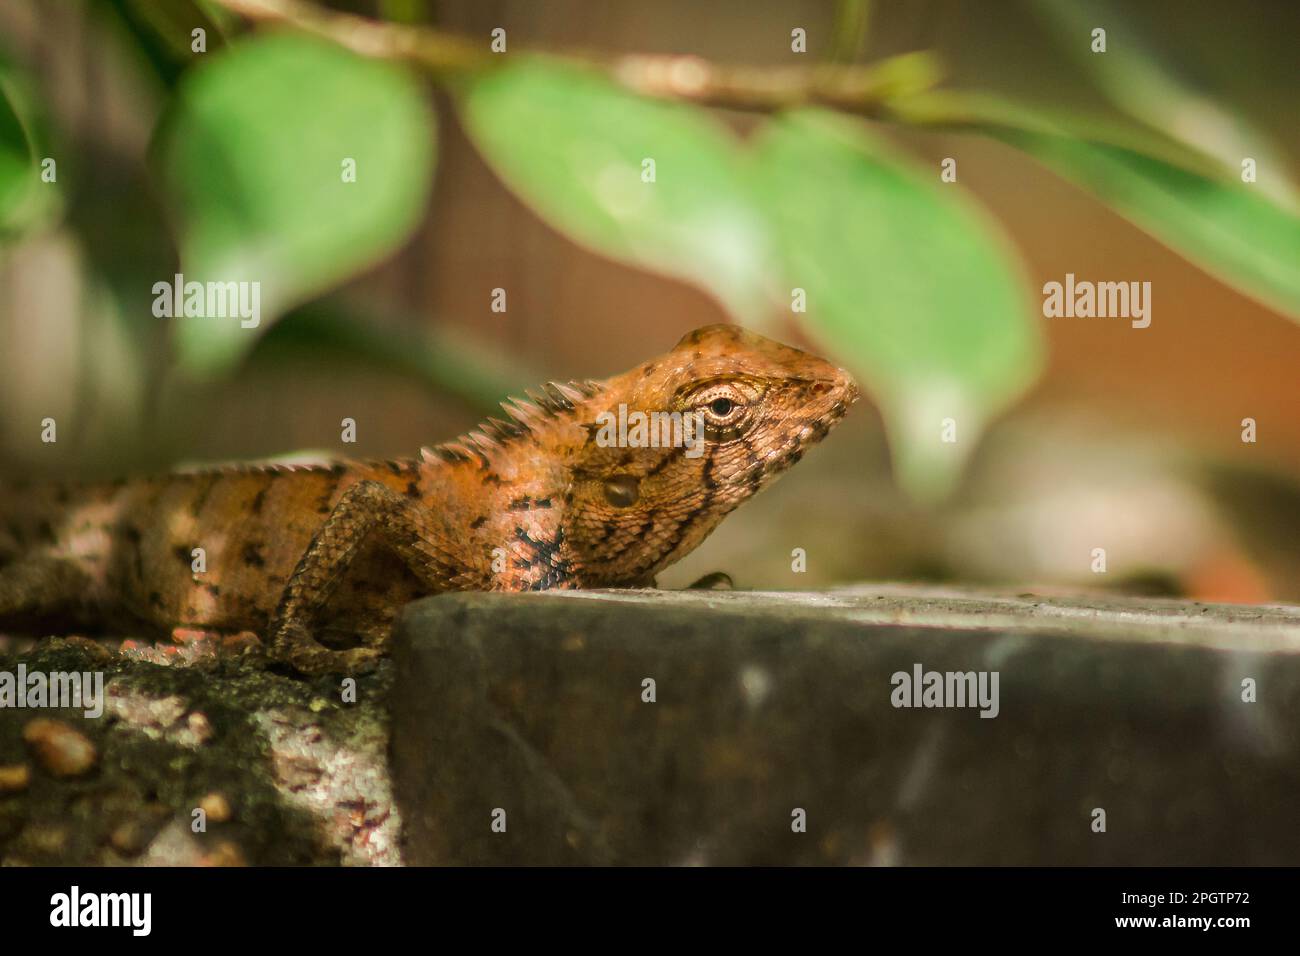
843 394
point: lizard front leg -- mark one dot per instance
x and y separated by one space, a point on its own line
713 581
366 509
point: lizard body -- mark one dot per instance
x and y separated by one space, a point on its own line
532 502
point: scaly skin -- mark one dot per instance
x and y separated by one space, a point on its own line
531 503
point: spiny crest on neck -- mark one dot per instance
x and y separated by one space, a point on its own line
548 403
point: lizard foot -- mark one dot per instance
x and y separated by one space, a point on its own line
294 645
717 581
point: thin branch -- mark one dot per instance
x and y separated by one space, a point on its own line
865 90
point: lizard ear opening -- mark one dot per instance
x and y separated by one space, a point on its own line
622 491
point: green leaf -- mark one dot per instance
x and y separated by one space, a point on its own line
254 157
1235 231
1140 79
25 200
1226 227
174 22
163 32
908 283
574 147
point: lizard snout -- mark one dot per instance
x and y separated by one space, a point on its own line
847 386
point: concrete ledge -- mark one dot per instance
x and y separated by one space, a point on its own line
771 703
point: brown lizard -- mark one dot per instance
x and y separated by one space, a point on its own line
542 499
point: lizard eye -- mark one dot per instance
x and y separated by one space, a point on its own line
721 406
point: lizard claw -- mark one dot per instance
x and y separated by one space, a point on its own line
294 645
716 581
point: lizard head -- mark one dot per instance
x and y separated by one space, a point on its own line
676 444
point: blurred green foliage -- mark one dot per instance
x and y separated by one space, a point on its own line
908 282
164 30
577 148
255 153
24 200
1142 82
1246 235
906 279
1229 229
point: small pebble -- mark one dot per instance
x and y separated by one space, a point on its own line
129 838
46 839
199 726
224 853
14 777
216 807
60 748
